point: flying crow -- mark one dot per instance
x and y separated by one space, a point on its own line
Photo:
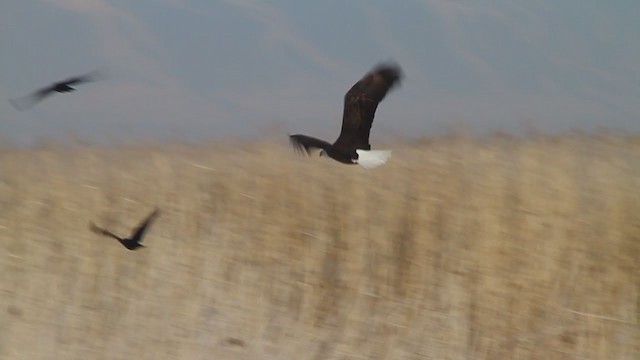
64 86
133 242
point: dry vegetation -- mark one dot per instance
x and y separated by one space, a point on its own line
459 248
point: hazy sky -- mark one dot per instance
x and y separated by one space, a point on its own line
206 68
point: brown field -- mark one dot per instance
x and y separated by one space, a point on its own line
458 248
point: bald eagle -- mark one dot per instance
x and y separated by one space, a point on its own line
360 104
63 86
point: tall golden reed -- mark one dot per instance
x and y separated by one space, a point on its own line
458 248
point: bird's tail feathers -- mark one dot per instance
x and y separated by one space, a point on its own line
370 159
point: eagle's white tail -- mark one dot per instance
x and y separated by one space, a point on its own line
369 159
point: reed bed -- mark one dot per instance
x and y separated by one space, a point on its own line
460 247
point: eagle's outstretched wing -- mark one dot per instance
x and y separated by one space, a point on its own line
304 144
361 102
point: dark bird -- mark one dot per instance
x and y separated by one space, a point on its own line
360 104
64 86
133 242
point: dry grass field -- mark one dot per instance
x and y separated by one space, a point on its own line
458 248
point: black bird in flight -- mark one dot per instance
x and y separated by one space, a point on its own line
133 242
63 86
360 104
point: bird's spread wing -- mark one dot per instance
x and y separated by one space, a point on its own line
139 231
92 76
101 231
361 102
28 101
304 144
